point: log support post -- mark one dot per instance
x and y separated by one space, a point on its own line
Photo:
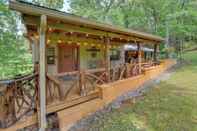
155 52
42 73
107 59
82 83
139 58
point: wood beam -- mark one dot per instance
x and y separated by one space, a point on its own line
42 73
67 27
77 39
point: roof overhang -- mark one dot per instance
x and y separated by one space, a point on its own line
35 10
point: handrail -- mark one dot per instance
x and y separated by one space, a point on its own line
77 72
19 78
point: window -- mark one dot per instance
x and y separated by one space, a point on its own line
50 55
114 54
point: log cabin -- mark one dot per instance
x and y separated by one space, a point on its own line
80 66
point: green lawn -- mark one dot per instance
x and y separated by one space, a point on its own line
170 106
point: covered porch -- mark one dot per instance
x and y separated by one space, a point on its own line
73 58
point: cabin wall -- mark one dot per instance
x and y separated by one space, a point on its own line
89 62
121 60
90 59
86 58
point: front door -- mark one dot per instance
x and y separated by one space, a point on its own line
68 58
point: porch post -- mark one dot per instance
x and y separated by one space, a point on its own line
155 52
139 57
35 53
107 59
42 73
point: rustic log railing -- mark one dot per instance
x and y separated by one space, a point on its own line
18 98
124 71
81 81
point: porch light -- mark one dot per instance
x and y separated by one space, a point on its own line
48 41
50 29
59 41
85 43
69 42
37 36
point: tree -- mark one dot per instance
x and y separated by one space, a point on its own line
55 4
175 19
13 47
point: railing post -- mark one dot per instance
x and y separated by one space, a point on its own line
155 52
42 73
82 83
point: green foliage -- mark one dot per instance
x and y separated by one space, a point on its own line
154 16
55 4
13 47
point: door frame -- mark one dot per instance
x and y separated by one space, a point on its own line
78 56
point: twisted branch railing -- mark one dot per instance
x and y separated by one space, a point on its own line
18 98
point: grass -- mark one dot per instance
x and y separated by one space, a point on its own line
170 106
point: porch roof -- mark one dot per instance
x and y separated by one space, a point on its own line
30 9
